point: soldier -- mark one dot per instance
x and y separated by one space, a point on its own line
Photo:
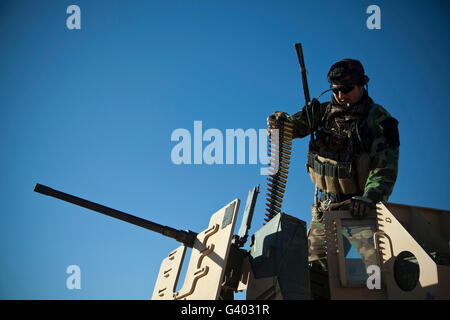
352 157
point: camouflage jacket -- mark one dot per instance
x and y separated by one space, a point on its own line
379 138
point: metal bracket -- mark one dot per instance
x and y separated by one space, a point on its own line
241 238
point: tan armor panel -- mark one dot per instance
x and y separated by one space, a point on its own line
208 261
406 269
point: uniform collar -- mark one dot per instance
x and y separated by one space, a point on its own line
354 108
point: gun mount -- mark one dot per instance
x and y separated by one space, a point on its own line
219 265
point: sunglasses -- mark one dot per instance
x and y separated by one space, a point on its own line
343 89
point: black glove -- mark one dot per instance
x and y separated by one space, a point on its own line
274 120
361 206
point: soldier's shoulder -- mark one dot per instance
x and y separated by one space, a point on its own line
325 106
381 123
379 115
378 112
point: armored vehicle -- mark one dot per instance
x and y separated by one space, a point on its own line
411 245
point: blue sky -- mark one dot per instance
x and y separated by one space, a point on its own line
91 112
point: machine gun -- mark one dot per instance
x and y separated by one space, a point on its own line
186 237
219 265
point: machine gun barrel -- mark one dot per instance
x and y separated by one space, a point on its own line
301 61
186 237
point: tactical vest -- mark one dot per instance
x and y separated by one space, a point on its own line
338 157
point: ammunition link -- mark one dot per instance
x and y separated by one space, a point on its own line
280 152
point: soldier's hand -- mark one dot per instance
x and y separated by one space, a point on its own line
274 120
361 206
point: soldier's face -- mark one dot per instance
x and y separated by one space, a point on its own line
352 96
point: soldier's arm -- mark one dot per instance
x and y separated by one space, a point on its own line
302 123
384 154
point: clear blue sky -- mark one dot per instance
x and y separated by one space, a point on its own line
91 112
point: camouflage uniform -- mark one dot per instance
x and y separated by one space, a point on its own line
363 142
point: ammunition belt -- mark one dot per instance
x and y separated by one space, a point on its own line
336 156
340 171
280 154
